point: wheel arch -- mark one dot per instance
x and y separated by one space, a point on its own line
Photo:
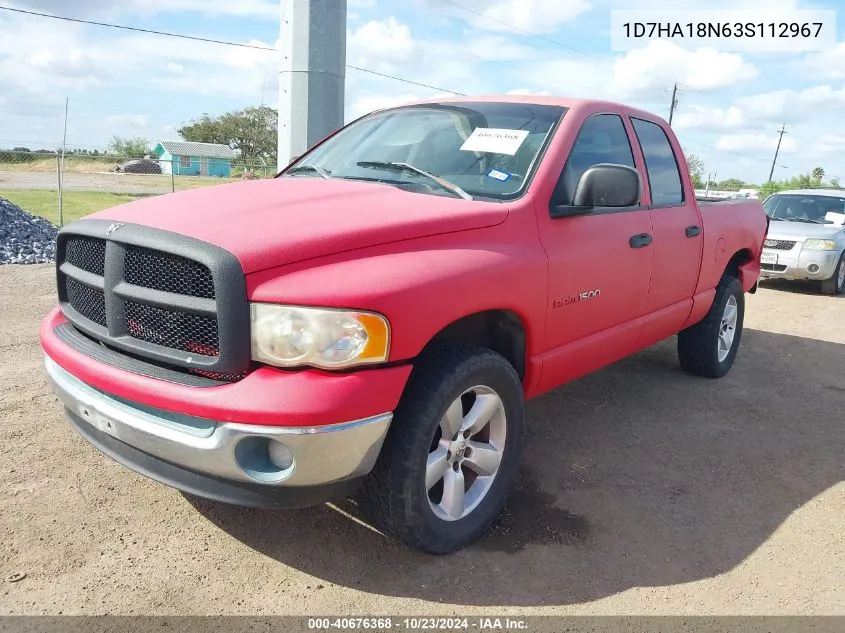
500 330
744 267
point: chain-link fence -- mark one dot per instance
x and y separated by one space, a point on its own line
65 188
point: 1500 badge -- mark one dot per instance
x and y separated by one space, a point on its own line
568 301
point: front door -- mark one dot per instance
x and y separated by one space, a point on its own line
599 265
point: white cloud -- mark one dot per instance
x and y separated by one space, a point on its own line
662 62
794 104
89 8
382 45
390 47
833 145
755 143
133 121
642 73
705 118
527 91
366 104
535 16
826 65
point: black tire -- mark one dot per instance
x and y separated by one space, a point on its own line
394 496
833 286
698 345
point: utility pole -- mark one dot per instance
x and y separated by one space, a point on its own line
62 169
781 131
311 75
674 104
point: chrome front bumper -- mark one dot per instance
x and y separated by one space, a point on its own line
236 453
799 264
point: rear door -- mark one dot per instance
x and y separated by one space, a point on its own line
599 263
676 228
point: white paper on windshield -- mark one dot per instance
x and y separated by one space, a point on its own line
494 140
836 218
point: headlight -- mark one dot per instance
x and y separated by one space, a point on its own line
290 336
819 245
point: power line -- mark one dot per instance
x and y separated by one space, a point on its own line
136 29
207 40
407 81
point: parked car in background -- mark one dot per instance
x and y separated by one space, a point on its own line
806 238
139 166
370 322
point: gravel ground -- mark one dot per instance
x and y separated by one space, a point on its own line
24 238
644 491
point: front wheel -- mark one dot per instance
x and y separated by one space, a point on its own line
452 451
836 284
709 347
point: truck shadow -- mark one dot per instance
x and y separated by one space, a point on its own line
636 476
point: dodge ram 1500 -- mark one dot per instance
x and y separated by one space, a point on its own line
370 322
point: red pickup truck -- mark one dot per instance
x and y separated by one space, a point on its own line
369 323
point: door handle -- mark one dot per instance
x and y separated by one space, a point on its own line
639 241
693 231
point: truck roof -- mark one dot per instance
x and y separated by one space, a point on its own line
565 102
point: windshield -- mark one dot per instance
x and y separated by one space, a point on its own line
486 150
805 208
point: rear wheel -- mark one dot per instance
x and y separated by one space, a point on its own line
452 451
709 347
836 284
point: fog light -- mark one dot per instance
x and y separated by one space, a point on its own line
280 455
264 460
813 269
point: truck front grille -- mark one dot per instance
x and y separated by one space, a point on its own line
89 302
780 245
173 300
86 253
170 328
167 272
775 268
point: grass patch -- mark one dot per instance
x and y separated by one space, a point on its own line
76 204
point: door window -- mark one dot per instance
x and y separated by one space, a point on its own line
664 177
602 139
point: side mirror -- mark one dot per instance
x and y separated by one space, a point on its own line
608 185
603 185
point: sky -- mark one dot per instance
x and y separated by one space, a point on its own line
730 105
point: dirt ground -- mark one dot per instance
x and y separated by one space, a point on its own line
644 491
137 184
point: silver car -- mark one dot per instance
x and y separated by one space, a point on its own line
806 238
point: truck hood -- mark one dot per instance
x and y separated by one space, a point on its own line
268 223
782 229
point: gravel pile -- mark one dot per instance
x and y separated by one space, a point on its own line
24 238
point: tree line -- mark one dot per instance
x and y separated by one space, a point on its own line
813 180
252 132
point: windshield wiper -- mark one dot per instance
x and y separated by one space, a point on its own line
310 168
397 166
806 220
